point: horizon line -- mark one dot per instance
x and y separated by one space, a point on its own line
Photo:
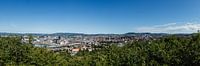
95 33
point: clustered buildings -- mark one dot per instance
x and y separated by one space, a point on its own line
77 43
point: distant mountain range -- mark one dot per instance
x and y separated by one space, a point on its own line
82 34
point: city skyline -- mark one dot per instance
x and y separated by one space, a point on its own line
99 16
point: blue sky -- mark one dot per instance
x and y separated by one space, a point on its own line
99 16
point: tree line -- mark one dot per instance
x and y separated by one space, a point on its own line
167 51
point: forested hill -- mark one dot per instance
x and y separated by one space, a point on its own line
168 51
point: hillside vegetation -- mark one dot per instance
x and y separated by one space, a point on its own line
167 51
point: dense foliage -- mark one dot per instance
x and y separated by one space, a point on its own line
168 51
13 52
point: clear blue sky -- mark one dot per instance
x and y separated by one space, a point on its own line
93 16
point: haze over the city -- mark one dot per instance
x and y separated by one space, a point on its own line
99 16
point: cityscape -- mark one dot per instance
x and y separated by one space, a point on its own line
99 33
75 42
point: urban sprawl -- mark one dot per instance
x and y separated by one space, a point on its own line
73 43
